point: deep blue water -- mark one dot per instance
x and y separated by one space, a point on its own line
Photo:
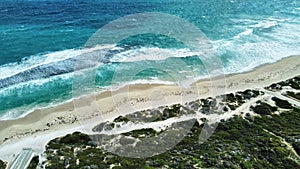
34 34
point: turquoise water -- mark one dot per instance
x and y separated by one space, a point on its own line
40 39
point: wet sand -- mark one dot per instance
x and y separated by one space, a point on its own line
81 114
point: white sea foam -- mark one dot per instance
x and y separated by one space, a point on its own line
246 56
245 33
254 23
152 53
131 55
20 111
278 19
43 59
33 83
11 114
245 51
257 44
266 24
23 111
140 81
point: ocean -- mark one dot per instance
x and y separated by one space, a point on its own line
40 40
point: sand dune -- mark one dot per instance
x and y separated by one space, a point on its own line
81 114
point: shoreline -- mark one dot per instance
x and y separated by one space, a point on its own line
37 128
137 82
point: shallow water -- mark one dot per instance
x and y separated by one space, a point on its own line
41 39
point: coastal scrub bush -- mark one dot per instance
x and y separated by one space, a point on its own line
264 109
147 132
76 138
282 103
296 146
2 165
121 119
33 163
236 143
294 95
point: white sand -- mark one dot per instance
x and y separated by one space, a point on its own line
33 131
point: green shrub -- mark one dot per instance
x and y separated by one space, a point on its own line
264 109
282 103
2 165
33 163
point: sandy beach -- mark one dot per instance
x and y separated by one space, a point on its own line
42 125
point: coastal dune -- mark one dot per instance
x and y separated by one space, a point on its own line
82 114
